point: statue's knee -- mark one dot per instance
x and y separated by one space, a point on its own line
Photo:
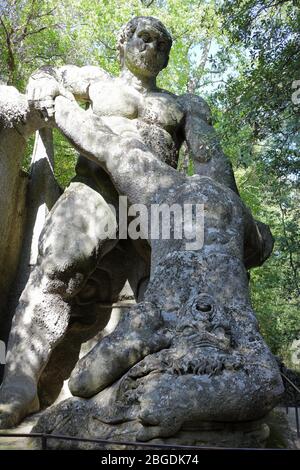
64 285
66 277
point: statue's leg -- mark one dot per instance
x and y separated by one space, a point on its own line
70 246
90 313
86 323
92 310
125 262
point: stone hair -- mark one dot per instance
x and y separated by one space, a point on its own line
127 31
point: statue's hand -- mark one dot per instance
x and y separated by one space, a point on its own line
42 89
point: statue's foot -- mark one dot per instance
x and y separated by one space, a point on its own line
16 403
137 335
153 428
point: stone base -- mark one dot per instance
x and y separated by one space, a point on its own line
228 435
272 432
74 419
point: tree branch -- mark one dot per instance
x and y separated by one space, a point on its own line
25 34
11 59
293 267
48 13
106 45
30 15
271 4
147 5
4 26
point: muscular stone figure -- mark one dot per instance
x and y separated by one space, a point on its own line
132 134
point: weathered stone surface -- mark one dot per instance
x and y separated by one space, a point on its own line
83 418
190 351
212 364
12 194
17 122
194 341
282 431
273 431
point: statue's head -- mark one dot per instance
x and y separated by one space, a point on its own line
144 45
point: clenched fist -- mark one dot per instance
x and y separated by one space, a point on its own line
41 91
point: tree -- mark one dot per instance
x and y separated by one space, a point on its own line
259 127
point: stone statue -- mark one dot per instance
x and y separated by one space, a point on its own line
190 350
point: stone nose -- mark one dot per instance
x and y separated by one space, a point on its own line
152 45
219 332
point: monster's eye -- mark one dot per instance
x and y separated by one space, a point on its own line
204 307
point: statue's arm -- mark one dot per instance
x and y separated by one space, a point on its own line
203 145
209 160
77 80
70 81
15 114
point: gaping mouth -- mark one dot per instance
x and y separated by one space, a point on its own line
204 365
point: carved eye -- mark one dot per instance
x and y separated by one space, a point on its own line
162 46
204 304
145 37
204 307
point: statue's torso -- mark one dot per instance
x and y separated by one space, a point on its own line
156 117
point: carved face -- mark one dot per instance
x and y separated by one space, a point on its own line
146 53
203 324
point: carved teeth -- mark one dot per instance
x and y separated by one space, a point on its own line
203 366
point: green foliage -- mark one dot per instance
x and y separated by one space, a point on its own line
243 58
259 128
